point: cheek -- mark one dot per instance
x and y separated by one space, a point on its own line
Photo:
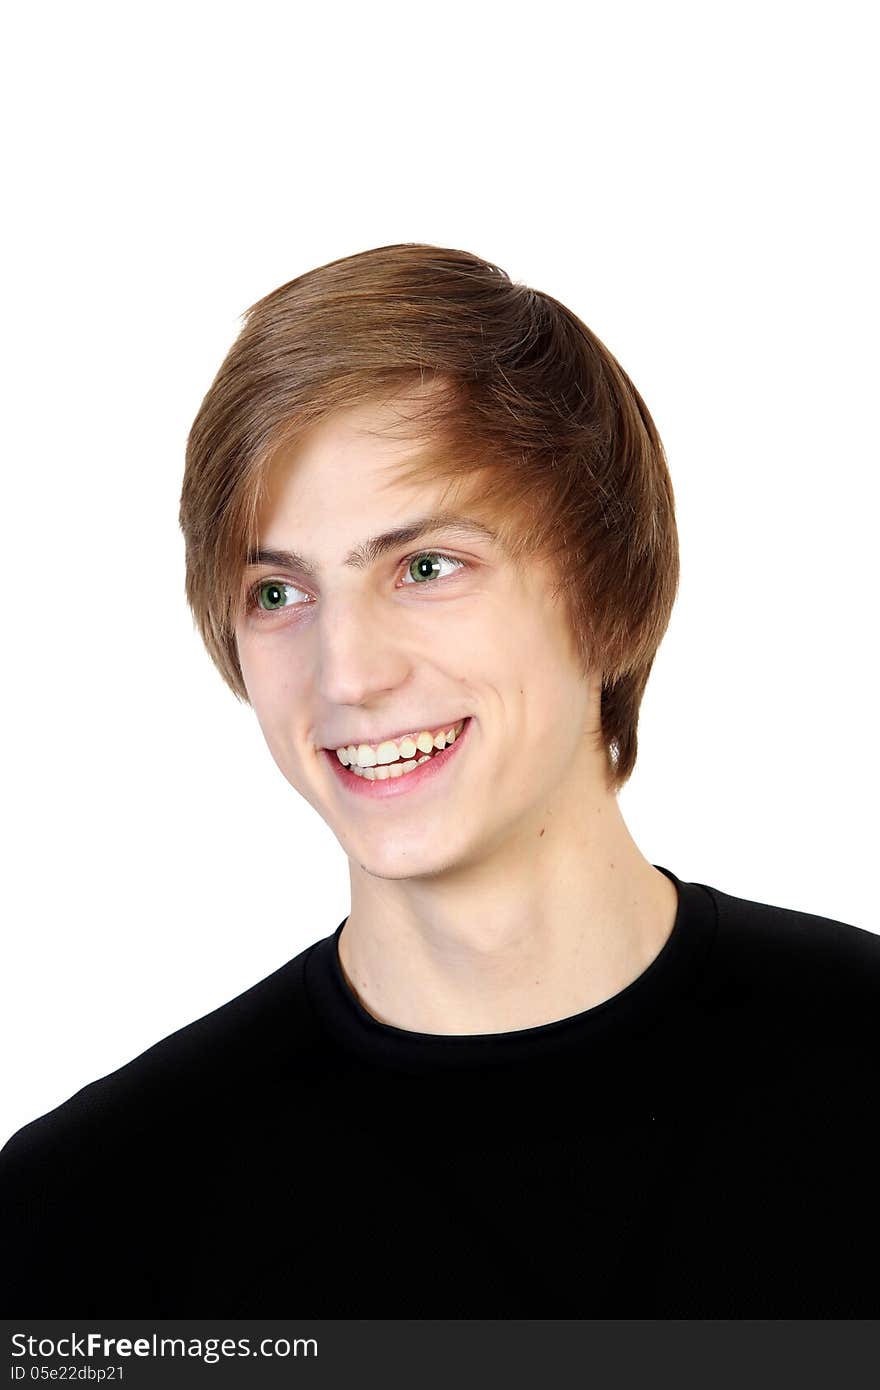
277 697
550 677
268 687
262 664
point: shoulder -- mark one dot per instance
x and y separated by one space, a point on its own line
813 978
794 939
159 1147
776 1048
230 1056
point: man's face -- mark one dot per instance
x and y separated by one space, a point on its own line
416 638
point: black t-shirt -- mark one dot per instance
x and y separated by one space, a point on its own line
700 1145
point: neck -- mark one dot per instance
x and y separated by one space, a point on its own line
546 927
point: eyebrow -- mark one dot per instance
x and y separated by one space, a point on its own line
371 550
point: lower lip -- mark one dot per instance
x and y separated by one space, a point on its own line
424 774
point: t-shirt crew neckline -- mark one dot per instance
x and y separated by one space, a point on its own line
632 1009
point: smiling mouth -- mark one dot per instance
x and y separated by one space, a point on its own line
383 779
403 753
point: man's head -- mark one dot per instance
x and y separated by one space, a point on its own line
414 380
365 617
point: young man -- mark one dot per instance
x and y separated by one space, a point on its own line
431 539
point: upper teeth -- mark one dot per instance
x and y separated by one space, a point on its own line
366 755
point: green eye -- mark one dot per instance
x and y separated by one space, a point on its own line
426 565
276 595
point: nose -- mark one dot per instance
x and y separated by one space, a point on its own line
359 655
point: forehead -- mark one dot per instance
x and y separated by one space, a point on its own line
371 463
358 524
348 452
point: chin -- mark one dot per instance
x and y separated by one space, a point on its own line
407 864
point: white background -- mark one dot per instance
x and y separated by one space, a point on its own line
697 183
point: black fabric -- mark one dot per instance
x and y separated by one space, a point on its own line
700 1145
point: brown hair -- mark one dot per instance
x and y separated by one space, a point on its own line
525 402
